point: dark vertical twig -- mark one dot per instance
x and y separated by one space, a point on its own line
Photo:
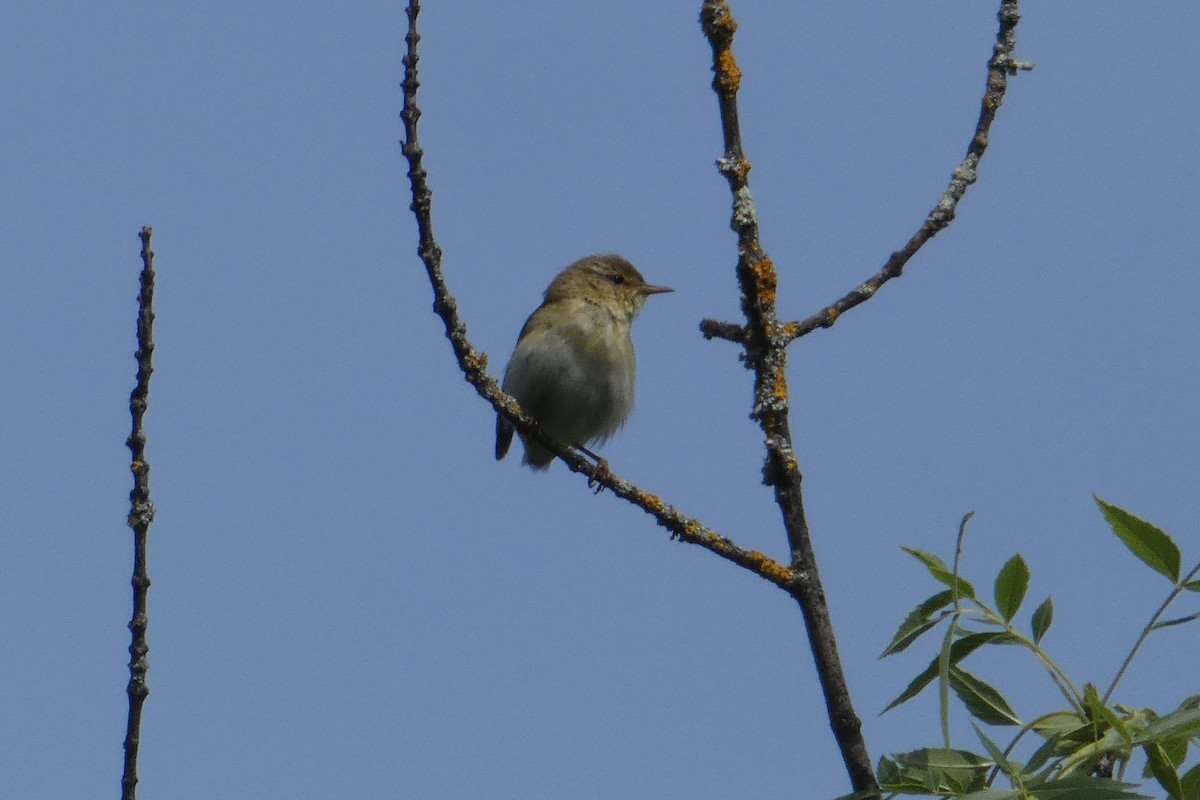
766 355
141 514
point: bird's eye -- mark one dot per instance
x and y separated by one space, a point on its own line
618 279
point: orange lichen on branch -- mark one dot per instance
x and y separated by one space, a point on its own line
766 281
779 389
769 568
831 316
690 533
729 74
475 362
651 502
734 168
787 461
771 411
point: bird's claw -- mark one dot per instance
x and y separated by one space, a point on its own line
601 474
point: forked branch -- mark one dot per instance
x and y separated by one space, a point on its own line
1001 66
474 363
765 352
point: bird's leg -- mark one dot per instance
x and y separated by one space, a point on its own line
602 472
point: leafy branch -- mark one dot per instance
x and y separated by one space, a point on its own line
1084 744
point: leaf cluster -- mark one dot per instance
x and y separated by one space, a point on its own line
1086 747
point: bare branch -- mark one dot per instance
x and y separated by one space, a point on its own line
141 514
1000 67
729 331
474 363
765 353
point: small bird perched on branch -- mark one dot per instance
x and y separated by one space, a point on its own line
573 368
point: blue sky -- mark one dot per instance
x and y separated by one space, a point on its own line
351 598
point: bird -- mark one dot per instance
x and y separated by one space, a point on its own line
574 368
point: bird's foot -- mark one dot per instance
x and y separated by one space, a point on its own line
602 474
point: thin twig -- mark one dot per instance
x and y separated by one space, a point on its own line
1000 66
1146 631
141 514
729 331
474 363
765 353
1062 681
951 629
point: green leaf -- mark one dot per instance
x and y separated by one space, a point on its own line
958 651
1180 621
1175 749
1043 754
933 771
943 666
994 794
1184 722
914 687
891 774
1192 586
1043 616
888 771
1076 734
981 699
1006 766
1059 723
1189 702
1102 713
950 758
1191 783
1010 587
1164 771
918 622
932 561
1084 787
938 569
910 632
1155 548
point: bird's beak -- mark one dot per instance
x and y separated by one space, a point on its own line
648 289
